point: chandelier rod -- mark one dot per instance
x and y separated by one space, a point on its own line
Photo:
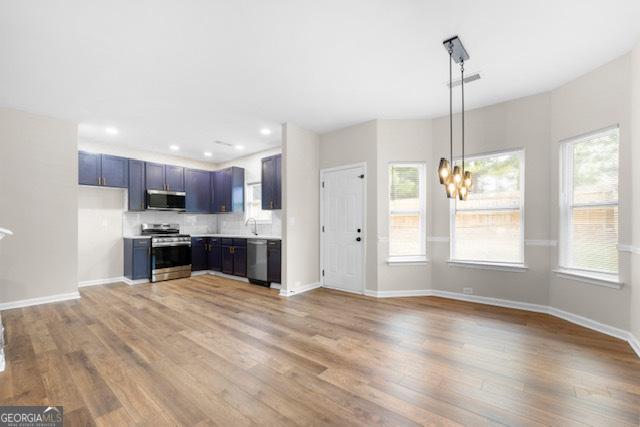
462 75
451 104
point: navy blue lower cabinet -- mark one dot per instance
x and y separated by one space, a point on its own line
197 185
199 253
227 259
215 254
274 261
137 259
89 166
240 261
136 185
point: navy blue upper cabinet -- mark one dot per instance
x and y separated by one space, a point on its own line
103 170
164 177
115 171
228 190
197 185
174 178
136 185
154 174
271 182
89 168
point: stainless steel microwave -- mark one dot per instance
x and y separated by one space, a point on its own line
166 200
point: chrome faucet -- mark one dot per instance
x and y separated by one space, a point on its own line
255 225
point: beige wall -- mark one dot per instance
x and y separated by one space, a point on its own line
301 208
100 248
357 144
401 141
519 124
635 158
594 101
39 203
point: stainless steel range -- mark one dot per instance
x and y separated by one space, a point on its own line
170 251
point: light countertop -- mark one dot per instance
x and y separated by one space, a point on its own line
237 236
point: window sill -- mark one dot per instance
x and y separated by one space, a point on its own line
407 260
519 268
599 279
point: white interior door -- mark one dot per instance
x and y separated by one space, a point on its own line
343 237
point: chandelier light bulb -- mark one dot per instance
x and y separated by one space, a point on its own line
467 180
457 175
443 170
452 189
463 193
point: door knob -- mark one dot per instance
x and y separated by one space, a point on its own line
358 239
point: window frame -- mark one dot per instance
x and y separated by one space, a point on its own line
422 213
509 265
566 207
248 196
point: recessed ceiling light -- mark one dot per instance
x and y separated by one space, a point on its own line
265 131
239 147
208 154
174 147
111 131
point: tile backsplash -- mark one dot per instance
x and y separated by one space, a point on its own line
189 223
234 224
204 224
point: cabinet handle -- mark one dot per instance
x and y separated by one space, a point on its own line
149 251
271 204
104 181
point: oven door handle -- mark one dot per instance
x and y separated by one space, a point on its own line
166 245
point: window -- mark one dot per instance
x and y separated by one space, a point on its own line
254 204
488 226
407 195
589 203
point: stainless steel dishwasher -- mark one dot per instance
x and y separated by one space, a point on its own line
257 261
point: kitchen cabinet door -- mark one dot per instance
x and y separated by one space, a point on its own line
237 189
277 183
197 186
137 259
240 261
136 185
221 194
199 255
89 165
154 176
215 254
141 263
274 262
267 182
115 171
174 178
227 259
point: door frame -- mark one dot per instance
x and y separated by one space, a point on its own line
324 171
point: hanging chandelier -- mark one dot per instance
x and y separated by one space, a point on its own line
455 179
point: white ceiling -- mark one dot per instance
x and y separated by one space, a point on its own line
192 72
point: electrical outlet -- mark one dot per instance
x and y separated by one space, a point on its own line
468 291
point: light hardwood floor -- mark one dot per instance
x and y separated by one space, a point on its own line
207 350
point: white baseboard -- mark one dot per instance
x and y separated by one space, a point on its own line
589 323
344 290
100 281
399 294
499 302
634 343
305 288
40 300
134 282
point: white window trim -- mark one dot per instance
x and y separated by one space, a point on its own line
422 212
600 279
491 265
566 206
248 201
488 265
